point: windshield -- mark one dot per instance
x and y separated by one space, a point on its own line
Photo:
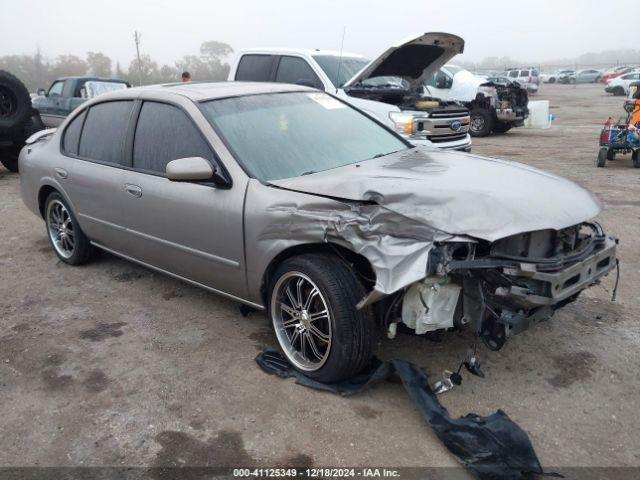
348 68
286 135
453 69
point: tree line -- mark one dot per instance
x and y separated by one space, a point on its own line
37 71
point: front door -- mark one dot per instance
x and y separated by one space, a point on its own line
190 229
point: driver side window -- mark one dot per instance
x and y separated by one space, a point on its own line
56 88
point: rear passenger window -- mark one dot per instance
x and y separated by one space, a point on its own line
296 70
72 135
513 73
256 68
524 73
105 131
165 133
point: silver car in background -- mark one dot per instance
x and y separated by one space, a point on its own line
289 200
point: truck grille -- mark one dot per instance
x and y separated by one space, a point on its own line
451 113
447 138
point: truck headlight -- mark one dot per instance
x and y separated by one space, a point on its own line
402 122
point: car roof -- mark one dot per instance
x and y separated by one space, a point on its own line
299 51
202 91
95 79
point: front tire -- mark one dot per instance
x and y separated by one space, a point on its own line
602 158
65 235
502 127
481 122
312 301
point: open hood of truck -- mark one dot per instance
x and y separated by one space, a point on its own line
413 58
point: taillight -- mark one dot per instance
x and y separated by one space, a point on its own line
604 137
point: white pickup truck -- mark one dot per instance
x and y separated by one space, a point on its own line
496 104
389 88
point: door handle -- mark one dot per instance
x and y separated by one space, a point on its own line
61 172
134 190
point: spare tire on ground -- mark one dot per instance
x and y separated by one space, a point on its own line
9 157
15 102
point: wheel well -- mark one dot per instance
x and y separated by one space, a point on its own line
42 197
360 264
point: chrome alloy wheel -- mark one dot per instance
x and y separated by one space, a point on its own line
302 321
60 228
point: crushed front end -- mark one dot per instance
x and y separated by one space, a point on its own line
509 100
499 289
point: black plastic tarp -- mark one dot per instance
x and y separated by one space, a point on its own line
492 447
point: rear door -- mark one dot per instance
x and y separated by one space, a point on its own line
96 139
189 229
256 68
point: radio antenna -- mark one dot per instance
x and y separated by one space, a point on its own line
344 31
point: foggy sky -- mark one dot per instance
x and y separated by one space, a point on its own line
529 30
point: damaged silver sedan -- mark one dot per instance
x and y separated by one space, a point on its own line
289 200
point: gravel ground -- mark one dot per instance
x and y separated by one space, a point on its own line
112 364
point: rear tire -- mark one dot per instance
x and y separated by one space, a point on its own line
552 80
602 158
15 102
618 91
502 127
304 287
481 122
65 235
635 158
9 157
611 154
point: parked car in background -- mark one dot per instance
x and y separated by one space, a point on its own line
65 94
528 77
387 89
22 114
496 104
616 72
620 85
585 76
565 75
294 202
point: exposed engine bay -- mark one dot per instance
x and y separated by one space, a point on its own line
500 288
421 116
508 98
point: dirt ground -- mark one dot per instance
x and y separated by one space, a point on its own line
112 364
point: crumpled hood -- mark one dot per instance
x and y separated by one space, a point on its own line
456 193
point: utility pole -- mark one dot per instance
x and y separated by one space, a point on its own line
137 36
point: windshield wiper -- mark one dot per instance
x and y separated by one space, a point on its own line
308 173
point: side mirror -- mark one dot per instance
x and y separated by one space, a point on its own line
41 92
194 169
